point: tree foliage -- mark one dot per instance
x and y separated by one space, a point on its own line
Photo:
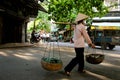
66 10
41 22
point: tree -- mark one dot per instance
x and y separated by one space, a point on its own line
41 22
66 10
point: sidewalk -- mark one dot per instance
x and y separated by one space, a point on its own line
23 63
11 45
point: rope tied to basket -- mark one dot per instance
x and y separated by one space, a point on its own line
95 57
51 62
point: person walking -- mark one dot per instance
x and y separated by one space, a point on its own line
80 33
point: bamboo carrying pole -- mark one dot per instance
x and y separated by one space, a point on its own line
62 23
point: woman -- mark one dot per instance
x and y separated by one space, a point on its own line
80 34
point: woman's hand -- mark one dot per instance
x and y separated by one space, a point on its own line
91 45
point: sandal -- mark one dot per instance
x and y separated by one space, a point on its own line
67 73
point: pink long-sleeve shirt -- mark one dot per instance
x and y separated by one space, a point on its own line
80 35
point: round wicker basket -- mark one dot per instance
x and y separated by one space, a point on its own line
94 58
51 64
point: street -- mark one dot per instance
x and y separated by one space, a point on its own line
23 63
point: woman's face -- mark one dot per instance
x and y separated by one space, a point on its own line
84 22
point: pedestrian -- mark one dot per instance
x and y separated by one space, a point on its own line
80 33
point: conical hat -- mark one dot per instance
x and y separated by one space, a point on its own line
80 16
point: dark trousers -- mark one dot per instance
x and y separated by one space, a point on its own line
79 59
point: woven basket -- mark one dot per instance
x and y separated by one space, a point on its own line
51 64
94 58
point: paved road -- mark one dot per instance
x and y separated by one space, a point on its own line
23 63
